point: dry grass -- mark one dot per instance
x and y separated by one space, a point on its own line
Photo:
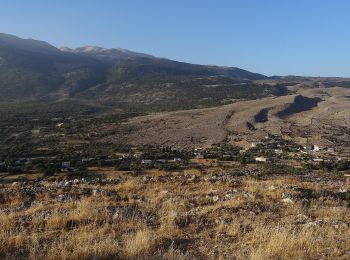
288 242
139 244
178 219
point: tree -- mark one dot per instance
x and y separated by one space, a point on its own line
47 169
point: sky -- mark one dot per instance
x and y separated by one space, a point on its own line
273 37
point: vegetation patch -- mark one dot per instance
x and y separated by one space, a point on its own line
299 105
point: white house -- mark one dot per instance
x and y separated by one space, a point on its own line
199 156
65 164
278 151
260 159
330 150
316 148
146 162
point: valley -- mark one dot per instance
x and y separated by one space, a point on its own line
114 154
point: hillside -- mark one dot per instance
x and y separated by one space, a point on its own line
35 70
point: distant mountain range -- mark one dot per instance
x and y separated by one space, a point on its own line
35 70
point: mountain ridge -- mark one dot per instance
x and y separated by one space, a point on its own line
106 54
36 70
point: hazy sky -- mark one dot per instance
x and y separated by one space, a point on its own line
284 37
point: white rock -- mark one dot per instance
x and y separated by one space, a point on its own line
215 198
272 187
311 224
288 201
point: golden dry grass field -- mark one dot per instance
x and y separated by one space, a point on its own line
213 213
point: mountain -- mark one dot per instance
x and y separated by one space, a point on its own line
31 69
16 43
35 70
145 68
111 55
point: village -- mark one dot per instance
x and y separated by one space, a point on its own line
272 150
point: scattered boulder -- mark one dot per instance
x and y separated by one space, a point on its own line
288 201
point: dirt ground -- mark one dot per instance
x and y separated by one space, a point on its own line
203 127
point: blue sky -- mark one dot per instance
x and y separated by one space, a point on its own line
274 37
